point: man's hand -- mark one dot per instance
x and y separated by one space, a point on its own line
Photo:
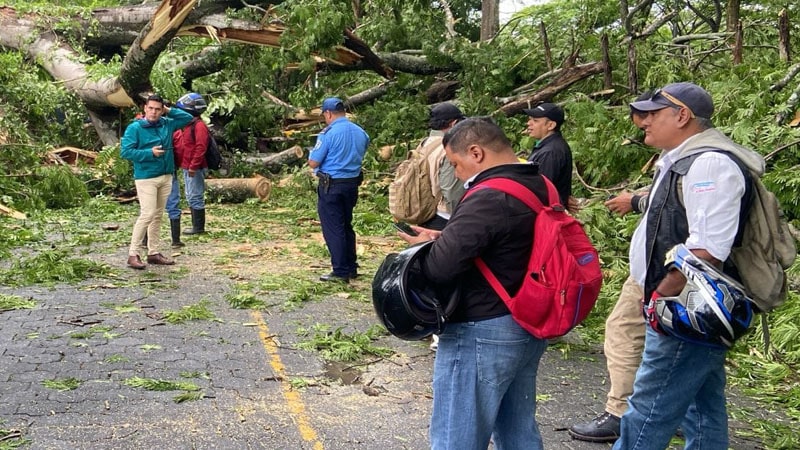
621 204
158 151
423 235
572 205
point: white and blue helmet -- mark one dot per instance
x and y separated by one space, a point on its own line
192 103
712 310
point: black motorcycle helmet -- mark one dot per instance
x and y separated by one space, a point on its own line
408 305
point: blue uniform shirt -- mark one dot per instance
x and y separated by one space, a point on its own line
340 149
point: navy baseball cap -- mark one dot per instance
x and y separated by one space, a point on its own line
679 95
332 104
549 110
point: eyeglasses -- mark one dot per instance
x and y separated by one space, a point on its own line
673 100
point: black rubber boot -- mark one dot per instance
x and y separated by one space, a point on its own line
175 231
198 222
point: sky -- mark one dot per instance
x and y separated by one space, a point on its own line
509 7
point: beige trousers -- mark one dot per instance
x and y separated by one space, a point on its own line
623 345
152 194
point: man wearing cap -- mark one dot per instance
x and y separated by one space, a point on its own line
701 189
624 332
336 159
551 152
444 183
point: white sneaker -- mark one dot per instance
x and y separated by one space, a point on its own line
434 342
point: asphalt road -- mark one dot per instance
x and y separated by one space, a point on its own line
259 390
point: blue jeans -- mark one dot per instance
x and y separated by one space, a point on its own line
678 384
195 188
484 387
335 209
174 200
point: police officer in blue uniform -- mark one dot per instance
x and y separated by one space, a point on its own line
336 159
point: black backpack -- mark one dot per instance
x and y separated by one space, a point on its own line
213 156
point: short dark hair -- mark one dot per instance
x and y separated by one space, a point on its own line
154 98
476 130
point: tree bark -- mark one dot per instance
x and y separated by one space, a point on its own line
237 190
732 15
608 80
275 162
548 56
134 74
568 77
784 47
490 19
738 44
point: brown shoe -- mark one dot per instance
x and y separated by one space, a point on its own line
158 258
135 262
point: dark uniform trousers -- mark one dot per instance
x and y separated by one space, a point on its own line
335 204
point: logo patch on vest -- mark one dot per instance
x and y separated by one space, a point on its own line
705 186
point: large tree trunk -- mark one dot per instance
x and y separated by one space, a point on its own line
274 163
490 18
148 29
237 190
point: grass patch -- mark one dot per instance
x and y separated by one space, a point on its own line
337 345
191 391
11 439
149 347
62 384
121 308
300 288
198 311
14 302
153 384
105 330
116 358
50 267
239 299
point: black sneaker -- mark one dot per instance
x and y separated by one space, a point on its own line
604 428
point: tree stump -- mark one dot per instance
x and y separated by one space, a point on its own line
237 190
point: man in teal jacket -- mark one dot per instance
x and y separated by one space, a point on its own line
147 143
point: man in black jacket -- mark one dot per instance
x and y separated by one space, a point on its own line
551 152
484 380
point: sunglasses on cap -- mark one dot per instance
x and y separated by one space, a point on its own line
672 99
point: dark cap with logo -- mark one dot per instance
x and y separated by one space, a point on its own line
680 95
548 110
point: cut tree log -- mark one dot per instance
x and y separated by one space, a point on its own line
11 212
277 161
237 190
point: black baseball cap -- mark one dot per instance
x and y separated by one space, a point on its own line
548 110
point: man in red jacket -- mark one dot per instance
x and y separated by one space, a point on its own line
191 144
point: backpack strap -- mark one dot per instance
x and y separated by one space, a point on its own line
523 194
192 126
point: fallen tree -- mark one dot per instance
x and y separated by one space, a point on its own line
237 190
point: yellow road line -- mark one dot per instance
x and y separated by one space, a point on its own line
296 407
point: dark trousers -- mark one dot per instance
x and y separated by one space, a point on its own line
335 208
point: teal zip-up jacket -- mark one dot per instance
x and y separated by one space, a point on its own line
141 136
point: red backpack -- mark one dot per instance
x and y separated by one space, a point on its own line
563 278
